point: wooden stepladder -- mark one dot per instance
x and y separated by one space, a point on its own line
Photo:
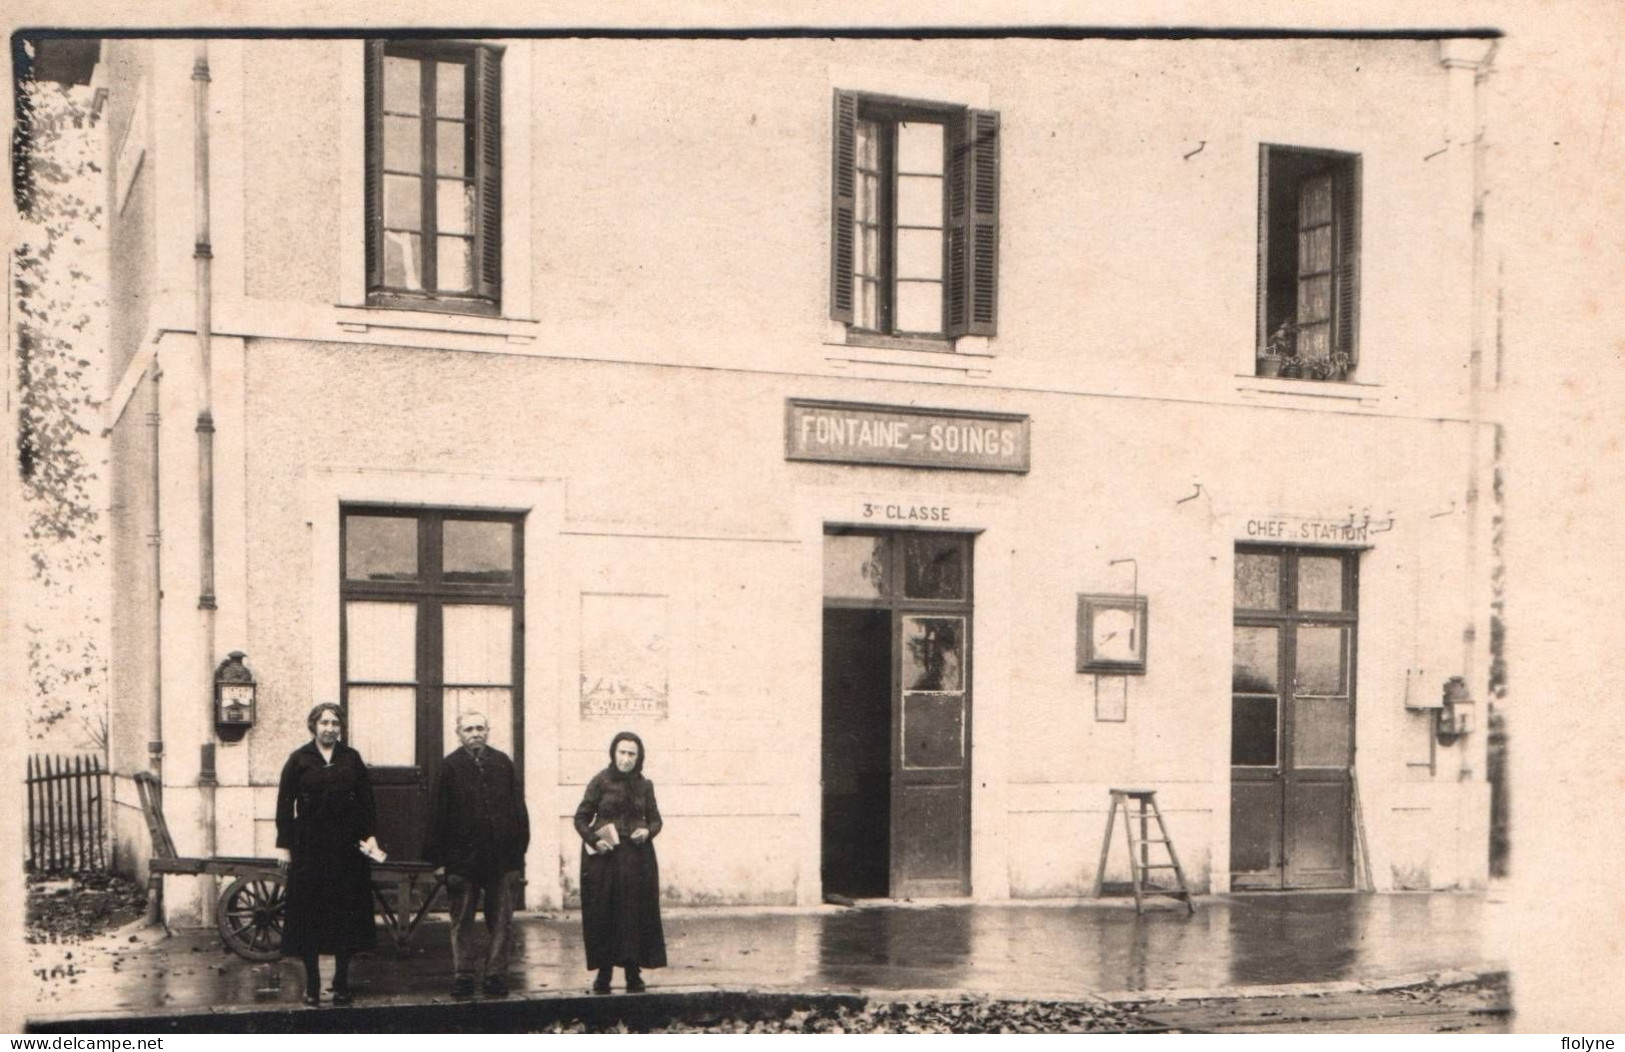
1139 847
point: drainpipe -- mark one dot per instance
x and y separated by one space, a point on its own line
1476 685
155 700
203 305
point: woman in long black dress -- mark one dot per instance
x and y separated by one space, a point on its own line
620 877
324 813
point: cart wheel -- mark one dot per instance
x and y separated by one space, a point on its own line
250 915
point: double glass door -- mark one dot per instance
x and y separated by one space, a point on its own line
432 628
1292 718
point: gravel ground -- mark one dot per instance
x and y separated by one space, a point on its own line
910 1017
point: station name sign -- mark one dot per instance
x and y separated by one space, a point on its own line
854 433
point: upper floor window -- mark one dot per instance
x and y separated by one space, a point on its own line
915 225
1308 263
434 169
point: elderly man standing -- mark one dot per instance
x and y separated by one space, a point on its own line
478 832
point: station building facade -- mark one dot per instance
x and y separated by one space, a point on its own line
911 440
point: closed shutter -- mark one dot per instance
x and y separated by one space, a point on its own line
972 298
842 204
1346 216
373 73
488 172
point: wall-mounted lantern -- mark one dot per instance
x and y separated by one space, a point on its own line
233 698
1454 719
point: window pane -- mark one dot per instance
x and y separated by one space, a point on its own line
1321 668
919 148
919 306
919 254
403 84
1315 298
1252 732
449 147
1320 582
1320 732
1315 250
865 303
1315 202
1256 667
403 202
866 206
933 567
919 200
403 269
454 207
866 143
1258 582
403 144
854 566
484 548
1314 341
380 548
380 642
381 724
933 730
478 641
494 703
448 88
453 263
933 653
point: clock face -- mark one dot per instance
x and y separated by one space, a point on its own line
1116 635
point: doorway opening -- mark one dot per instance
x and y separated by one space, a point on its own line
857 753
896 714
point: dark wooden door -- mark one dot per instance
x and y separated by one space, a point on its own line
1292 718
921 583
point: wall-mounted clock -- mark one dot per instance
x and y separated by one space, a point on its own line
1111 634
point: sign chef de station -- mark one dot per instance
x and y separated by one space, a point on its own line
857 433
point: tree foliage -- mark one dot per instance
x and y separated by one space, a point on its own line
58 283
57 300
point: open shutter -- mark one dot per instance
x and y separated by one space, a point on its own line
374 161
842 204
972 296
1346 216
1261 288
488 172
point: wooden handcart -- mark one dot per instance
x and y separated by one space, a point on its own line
251 909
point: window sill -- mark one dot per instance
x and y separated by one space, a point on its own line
1356 391
968 356
356 317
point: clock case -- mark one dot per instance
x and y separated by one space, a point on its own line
1091 607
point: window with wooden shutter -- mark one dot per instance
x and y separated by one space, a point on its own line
433 185
914 218
1308 263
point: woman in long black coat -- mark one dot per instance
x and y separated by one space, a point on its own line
324 812
620 882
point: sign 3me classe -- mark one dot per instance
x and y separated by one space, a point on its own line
856 433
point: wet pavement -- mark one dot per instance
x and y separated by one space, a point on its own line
1053 951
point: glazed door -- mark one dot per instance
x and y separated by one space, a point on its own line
1292 718
914 587
432 627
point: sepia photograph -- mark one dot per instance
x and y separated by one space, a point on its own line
1095 519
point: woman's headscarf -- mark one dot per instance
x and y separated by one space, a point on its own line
636 774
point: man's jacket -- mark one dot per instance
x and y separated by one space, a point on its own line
477 818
